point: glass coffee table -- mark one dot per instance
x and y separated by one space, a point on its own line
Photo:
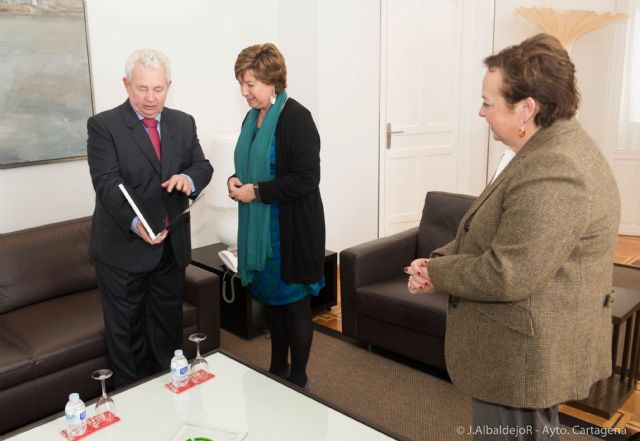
240 403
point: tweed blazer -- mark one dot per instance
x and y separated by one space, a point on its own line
529 274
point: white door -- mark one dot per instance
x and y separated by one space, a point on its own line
431 135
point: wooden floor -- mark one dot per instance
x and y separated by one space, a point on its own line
628 250
628 416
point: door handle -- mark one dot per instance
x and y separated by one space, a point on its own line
391 132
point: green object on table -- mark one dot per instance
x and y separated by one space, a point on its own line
200 439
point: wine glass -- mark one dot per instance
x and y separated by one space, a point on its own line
104 403
199 366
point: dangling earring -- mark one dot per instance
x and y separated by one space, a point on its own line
522 131
273 98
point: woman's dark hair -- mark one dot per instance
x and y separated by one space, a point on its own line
267 64
539 68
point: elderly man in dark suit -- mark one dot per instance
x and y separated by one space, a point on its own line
155 152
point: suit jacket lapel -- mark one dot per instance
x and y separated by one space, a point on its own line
140 136
536 141
170 153
491 188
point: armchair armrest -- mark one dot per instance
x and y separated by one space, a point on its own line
202 290
369 262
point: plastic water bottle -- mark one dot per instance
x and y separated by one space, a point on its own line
76 415
179 369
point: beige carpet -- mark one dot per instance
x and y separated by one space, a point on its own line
391 394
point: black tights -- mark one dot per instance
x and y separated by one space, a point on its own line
291 327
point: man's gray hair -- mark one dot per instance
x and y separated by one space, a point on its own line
150 58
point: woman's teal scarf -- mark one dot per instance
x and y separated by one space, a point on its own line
252 165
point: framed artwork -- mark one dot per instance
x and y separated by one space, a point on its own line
45 82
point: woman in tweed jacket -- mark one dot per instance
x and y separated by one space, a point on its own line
529 272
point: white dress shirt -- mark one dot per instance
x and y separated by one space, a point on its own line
507 156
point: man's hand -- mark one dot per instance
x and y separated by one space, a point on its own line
180 183
419 281
144 236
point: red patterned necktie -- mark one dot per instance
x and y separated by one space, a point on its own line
152 125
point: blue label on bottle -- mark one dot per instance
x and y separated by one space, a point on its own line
76 418
183 371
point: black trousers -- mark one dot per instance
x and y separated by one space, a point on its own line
142 316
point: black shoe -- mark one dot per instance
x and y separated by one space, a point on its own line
306 385
287 371
284 374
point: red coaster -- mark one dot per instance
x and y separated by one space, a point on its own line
94 424
194 380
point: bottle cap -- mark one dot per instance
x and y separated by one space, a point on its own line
74 396
178 353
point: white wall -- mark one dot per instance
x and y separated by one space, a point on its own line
332 58
332 52
40 194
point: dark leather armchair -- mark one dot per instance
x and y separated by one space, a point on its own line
377 308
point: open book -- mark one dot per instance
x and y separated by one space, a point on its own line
145 219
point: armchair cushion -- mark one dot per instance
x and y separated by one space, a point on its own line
440 218
75 335
15 365
48 253
389 299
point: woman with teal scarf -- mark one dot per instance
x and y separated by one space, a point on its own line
281 231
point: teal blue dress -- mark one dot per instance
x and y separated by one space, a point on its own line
267 286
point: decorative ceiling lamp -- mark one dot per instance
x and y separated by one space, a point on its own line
568 26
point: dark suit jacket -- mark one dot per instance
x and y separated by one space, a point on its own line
119 151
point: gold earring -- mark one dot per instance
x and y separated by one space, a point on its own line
272 98
522 131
